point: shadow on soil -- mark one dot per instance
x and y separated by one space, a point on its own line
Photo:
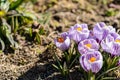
45 71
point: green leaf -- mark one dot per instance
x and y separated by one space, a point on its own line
6 26
114 68
41 31
74 60
109 78
15 4
30 15
37 38
16 24
10 38
65 69
55 66
60 66
111 12
2 44
4 5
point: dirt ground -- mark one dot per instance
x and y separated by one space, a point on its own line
33 61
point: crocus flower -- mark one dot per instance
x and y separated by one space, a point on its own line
63 41
100 31
92 61
111 44
79 32
87 45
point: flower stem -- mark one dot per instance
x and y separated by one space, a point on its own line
92 77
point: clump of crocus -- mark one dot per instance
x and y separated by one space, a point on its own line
63 41
87 45
79 32
90 42
91 61
111 44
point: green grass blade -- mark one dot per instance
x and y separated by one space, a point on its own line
114 68
2 44
15 4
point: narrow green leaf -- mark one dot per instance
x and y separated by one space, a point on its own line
16 25
37 38
41 31
55 66
10 38
4 5
74 60
2 44
109 78
60 66
15 4
30 32
30 15
114 68
6 25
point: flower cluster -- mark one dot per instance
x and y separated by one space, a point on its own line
90 42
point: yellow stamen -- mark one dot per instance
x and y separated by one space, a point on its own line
2 13
88 45
79 29
60 39
92 59
118 41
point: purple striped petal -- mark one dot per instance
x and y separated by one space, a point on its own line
100 31
96 66
84 63
111 44
116 49
78 35
87 45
